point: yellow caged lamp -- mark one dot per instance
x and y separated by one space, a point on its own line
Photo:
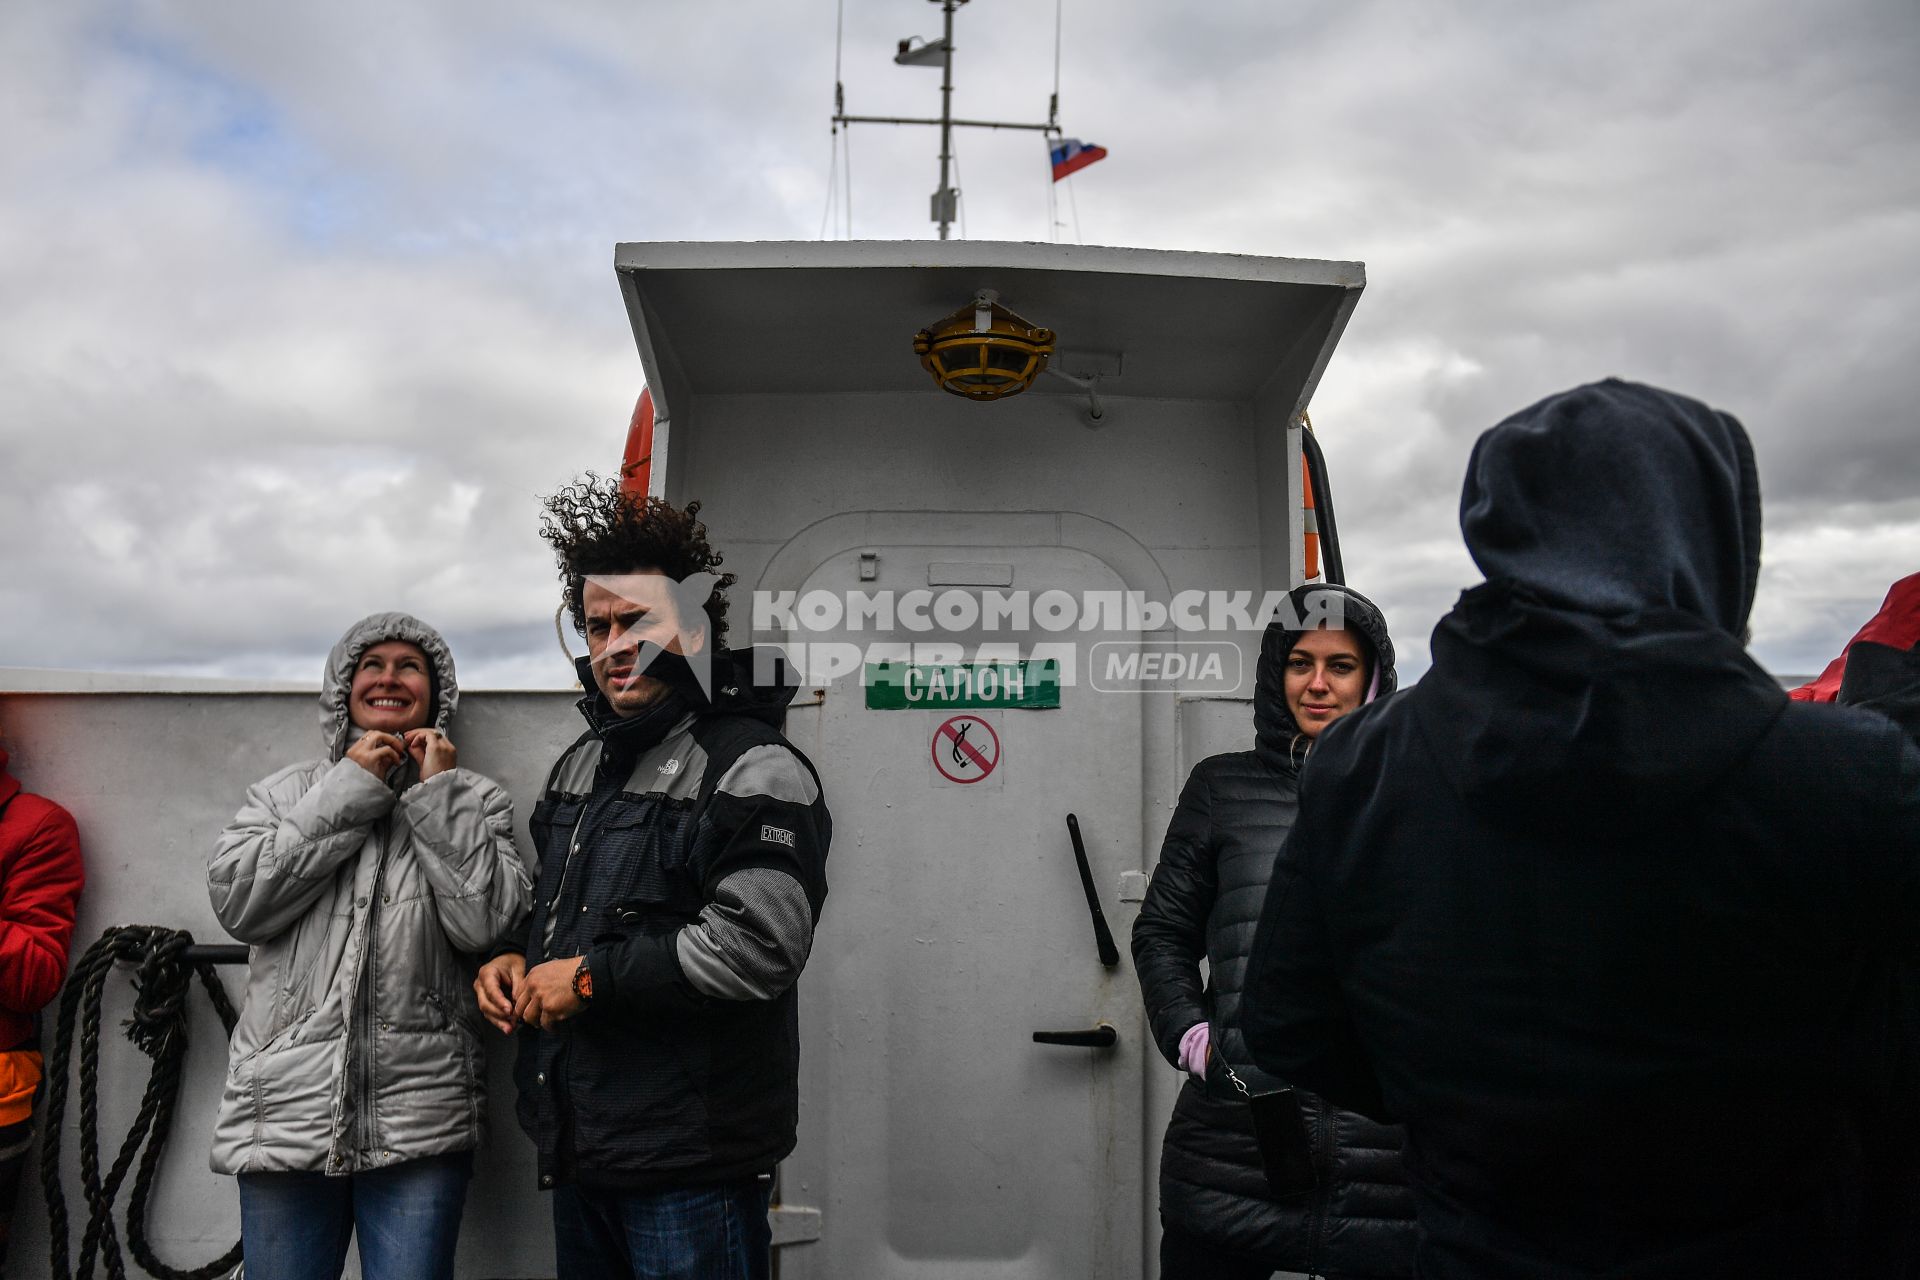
984 351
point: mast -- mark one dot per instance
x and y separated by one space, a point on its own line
946 200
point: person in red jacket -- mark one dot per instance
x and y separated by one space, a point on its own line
1897 626
40 879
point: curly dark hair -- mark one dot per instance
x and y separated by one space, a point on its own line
594 528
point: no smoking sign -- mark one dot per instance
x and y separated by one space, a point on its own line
966 751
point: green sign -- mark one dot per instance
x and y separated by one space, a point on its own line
909 686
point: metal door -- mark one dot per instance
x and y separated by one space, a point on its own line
937 1139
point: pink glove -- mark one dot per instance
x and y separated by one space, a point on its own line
1193 1049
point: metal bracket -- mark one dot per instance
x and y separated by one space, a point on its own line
793 1224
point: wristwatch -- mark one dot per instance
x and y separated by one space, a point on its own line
583 982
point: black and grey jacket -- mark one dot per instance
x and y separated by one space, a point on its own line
1204 903
687 861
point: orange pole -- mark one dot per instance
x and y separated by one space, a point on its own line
1312 539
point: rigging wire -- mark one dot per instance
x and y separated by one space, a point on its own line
846 168
1053 118
1053 204
960 185
839 109
1056 52
1073 203
839 29
833 179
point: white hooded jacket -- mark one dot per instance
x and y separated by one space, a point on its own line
359 1046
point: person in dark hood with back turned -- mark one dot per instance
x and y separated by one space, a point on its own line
1325 654
683 842
1606 922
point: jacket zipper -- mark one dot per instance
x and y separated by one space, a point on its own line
368 977
552 923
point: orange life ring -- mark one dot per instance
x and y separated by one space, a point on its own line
636 466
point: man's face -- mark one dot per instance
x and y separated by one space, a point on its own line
625 611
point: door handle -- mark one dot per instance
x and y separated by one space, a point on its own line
1100 1037
1102 936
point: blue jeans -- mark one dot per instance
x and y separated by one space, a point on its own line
705 1233
295 1226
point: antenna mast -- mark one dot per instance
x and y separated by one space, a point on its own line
946 200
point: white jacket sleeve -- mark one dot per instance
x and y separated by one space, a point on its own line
462 826
282 849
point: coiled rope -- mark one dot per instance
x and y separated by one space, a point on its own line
158 1027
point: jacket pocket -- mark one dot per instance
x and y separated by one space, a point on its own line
649 917
639 1102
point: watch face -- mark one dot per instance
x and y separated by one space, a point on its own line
583 981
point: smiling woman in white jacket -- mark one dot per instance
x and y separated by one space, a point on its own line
355 1083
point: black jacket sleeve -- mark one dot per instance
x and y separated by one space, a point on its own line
1293 1012
1170 935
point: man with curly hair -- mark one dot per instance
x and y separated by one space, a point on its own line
683 843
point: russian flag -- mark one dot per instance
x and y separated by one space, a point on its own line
1070 156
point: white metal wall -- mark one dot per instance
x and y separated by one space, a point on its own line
151 779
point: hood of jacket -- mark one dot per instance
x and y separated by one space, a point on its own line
336 682
1598 679
1276 734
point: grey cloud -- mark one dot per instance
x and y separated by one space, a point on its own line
343 382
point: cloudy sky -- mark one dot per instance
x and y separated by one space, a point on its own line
304 303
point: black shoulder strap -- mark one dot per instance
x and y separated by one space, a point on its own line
737 745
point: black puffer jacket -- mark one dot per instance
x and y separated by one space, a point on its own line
1626 940
1205 901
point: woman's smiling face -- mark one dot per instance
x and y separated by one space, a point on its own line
1326 677
392 691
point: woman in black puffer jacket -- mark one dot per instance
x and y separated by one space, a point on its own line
1220 1219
